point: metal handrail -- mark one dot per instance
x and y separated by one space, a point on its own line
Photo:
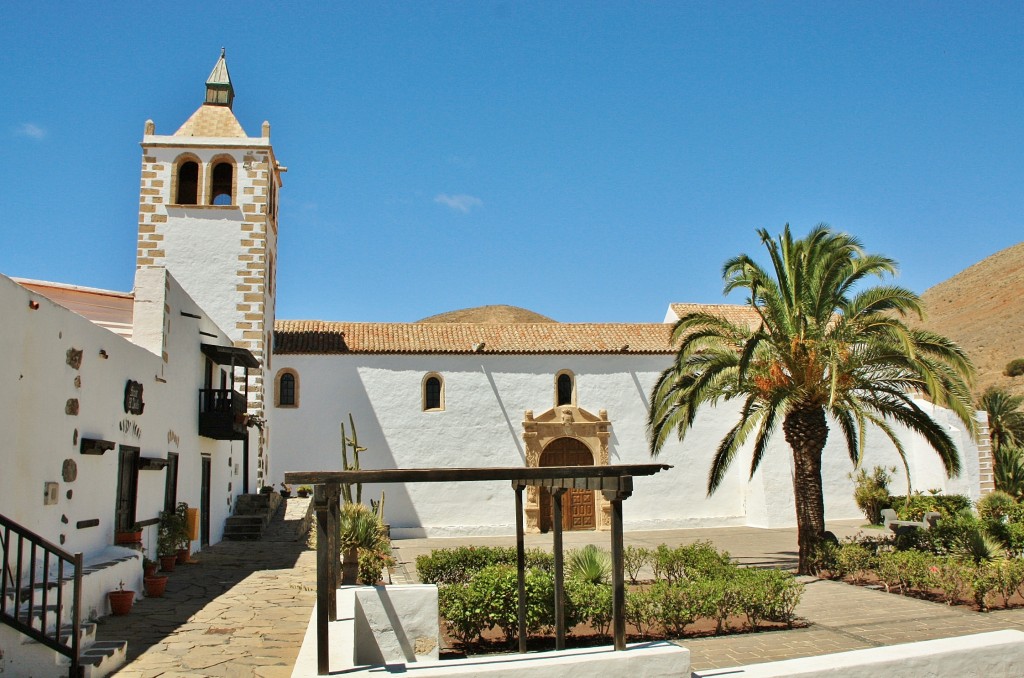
22 612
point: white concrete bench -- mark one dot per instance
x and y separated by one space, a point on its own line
891 521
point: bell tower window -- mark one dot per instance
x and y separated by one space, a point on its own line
188 183
222 184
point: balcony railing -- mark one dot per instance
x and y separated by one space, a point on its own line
222 414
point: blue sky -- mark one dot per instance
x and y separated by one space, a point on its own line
590 161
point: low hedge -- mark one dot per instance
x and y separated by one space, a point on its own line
917 505
457 565
704 584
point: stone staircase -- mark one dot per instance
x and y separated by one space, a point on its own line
252 515
32 658
268 517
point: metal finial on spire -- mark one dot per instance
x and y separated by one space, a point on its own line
222 52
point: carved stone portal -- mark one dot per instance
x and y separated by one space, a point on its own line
565 421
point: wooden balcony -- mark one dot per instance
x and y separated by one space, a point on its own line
222 414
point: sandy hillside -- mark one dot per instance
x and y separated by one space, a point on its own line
982 309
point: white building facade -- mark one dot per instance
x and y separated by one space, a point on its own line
495 401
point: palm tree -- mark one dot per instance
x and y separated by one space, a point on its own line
1005 420
821 346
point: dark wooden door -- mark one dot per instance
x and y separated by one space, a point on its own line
577 505
204 504
127 487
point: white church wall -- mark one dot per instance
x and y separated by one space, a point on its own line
485 398
41 435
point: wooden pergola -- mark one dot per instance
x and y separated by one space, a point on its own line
614 482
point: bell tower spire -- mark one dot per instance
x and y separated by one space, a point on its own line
219 91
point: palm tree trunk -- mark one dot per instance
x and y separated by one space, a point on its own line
806 432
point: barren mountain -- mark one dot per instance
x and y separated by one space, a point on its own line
982 309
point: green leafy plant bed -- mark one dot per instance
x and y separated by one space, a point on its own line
696 591
585 635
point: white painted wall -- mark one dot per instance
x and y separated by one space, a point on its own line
481 425
39 436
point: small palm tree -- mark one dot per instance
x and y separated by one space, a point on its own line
1005 420
817 349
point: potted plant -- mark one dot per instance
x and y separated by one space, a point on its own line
184 538
285 491
155 585
120 600
132 535
168 539
304 491
267 489
149 567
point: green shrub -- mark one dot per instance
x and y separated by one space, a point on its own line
996 504
678 605
768 594
953 577
642 611
906 570
852 560
721 598
462 617
984 579
494 590
1015 367
633 560
1009 578
914 507
587 602
699 559
871 492
457 565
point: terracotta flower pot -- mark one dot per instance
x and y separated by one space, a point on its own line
150 569
182 555
155 586
127 537
120 601
167 562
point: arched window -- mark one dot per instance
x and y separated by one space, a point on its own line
433 392
188 183
222 184
565 388
287 388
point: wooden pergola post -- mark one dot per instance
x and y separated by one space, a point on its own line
616 497
557 494
521 564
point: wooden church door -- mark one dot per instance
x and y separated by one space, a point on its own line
577 505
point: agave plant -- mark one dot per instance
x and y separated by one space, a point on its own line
590 564
976 545
359 528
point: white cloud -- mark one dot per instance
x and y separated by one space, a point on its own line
28 129
462 203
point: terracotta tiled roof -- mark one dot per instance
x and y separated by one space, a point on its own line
314 336
737 314
212 121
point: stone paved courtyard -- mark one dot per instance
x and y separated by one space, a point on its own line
242 610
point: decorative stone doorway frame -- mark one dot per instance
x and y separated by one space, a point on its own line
565 421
